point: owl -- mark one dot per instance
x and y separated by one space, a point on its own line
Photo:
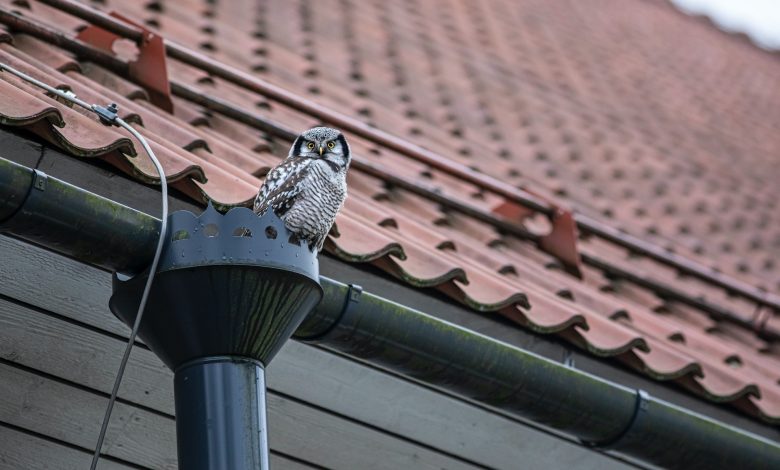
309 187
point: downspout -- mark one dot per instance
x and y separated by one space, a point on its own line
599 413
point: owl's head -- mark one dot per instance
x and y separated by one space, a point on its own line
323 143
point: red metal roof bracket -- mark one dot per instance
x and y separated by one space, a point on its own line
561 242
148 69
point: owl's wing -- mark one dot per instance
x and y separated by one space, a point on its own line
281 186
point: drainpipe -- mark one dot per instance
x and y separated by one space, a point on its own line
229 291
601 414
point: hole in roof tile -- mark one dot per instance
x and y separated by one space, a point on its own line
314 90
456 132
733 361
261 51
565 294
205 80
242 232
208 46
610 287
263 104
260 68
210 230
270 232
388 222
362 92
620 314
507 269
152 22
155 6
259 34
207 29
505 154
415 131
446 245
677 337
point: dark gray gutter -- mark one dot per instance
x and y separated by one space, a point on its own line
95 230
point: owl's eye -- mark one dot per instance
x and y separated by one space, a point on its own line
310 146
331 145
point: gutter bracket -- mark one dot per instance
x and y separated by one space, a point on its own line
39 180
354 293
640 413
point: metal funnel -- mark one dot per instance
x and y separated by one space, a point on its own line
229 291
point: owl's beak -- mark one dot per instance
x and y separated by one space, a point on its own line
321 149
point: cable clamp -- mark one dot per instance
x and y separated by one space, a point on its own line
107 114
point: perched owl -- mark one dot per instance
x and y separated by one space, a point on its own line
308 188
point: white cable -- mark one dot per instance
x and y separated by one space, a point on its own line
108 116
147 288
